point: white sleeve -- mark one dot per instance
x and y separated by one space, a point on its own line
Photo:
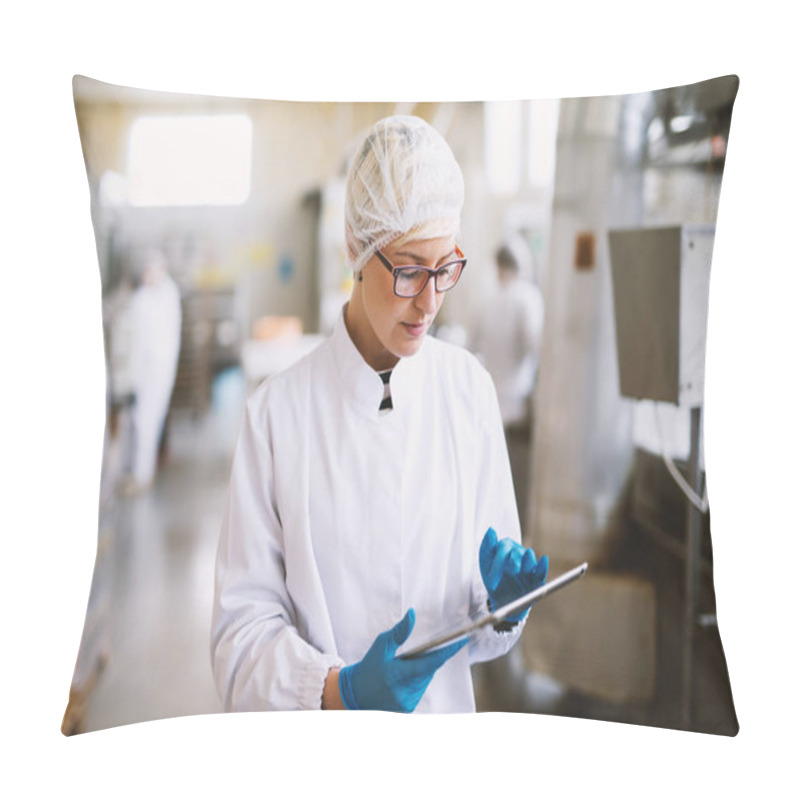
260 661
495 507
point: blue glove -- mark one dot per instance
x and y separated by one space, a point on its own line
509 571
384 683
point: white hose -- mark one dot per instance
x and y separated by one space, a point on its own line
700 503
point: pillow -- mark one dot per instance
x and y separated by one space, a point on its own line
220 239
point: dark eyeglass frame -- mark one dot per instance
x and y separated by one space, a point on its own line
435 271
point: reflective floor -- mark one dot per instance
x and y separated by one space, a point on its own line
161 576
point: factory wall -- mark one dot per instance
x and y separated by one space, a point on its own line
264 246
267 248
583 440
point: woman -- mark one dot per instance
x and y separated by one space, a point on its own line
368 475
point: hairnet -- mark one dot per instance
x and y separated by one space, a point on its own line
404 181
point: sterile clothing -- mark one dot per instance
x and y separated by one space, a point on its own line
340 518
155 320
508 340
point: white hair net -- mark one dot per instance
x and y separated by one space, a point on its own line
404 181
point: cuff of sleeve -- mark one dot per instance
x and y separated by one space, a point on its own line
313 681
508 624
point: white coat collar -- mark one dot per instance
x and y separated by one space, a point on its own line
363 385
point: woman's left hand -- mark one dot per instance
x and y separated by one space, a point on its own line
509 571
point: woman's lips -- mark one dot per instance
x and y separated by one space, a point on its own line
415 329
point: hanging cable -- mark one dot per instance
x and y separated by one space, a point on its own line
699 502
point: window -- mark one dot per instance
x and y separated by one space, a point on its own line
503 122
543 122
190 160
520 146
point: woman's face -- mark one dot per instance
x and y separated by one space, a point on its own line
388 327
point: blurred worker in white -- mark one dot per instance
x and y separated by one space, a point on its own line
508 334
507 340
154 324
367 475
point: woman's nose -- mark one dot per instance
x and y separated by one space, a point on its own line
426 299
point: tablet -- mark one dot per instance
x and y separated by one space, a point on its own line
499 615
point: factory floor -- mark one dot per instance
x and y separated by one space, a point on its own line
159 576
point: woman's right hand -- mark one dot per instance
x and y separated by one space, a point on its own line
382 681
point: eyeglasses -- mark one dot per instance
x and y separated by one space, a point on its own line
411 281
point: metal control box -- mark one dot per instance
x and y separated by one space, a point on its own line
660 282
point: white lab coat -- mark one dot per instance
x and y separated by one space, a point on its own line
339 519
155 323
508 339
